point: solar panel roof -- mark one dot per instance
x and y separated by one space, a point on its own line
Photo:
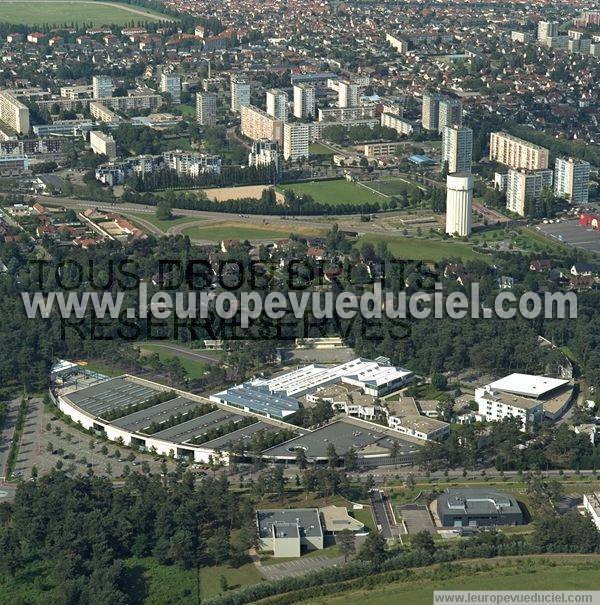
157 413
111 394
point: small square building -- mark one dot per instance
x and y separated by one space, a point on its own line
286 531
478 508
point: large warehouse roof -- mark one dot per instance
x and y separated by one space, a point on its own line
196 427
111 394
527 385
259 399
157 413
343 435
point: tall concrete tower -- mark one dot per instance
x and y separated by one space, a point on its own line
459 204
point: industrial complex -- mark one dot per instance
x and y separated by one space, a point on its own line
250 419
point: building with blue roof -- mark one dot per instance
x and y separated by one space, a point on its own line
258 399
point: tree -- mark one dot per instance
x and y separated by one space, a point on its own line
332 457
164 210
439 381
345 539
301 460
373 548
424 541
223 583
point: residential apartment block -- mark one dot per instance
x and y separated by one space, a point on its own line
296 137
572 180
277 104
206 108
525 186
517 153
457 148
103 144
13 113
258 124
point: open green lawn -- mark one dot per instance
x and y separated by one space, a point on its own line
335 192
194 369
167 585
218 231
319 149
50 12
535 573
412 248
180 143
363 515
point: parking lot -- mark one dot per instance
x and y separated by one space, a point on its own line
571 233
48 442
298 567
416 518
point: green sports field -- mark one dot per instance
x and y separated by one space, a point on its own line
335 192
50 12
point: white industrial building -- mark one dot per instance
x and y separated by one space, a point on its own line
520 396
376 378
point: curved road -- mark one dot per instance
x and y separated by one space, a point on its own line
210 216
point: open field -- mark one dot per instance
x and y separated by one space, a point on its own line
221 194
561 572
335 192
194 369
215 232
51 12
423 249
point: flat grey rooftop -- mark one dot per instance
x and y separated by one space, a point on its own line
343 436
197 426
112 394
477 502
241 434
157 413
289 522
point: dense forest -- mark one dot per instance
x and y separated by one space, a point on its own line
425 345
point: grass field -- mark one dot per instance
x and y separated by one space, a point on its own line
535 573
392 186
194 369
215 232
423 249
50 12
335 192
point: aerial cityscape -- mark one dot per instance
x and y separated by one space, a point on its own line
300 302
